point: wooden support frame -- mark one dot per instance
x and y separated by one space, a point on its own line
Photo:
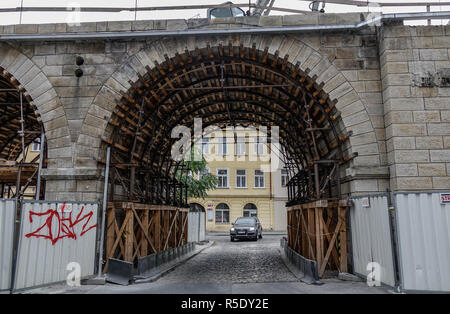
313 232
137 230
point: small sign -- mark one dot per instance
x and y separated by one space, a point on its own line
445 198
365 202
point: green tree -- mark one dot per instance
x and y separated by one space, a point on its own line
197 188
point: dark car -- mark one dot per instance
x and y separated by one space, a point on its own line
246 228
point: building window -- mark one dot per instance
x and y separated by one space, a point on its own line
241 178
259 146
222 146
241 146
259 179
222 176
36 145
202 173
250 210
284 177
205 146
222 214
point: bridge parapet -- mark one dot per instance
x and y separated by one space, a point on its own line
182 24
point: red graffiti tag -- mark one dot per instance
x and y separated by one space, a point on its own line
65 225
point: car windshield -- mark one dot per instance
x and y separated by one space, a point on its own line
245 221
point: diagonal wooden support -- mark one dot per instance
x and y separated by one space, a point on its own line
183 230
174 219
144 231
329 239
330 248
310 246
116 242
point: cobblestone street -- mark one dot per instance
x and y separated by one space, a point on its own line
235 262
236 267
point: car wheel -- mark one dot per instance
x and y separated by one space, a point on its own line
260 235
255 238
231 239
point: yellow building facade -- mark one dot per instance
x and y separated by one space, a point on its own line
246 186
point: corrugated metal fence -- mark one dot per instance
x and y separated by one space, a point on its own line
7 221
196 226
371 236
423 226
52 235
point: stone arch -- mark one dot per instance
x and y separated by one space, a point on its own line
42 96
354 116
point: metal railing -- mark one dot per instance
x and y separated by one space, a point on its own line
257 7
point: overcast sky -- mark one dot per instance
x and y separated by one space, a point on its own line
33 17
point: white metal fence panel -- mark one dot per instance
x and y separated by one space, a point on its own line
371 237
423 224
196 226
193 227
7 222
202 233
53 235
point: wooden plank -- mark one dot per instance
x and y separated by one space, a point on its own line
343 238
111 219
310 252
319 236
174 219
330 248
146 241
166 220
157 230
129 240
311 231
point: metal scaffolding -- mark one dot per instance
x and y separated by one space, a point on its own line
20 128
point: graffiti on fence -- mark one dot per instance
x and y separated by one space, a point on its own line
57 226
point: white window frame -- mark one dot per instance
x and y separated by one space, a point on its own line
241 146
240 175
228 178
205 145
222 146
258 146
259 176
216 210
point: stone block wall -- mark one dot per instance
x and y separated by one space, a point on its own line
400 131
417 117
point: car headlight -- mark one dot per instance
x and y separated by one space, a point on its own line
252 229
232 229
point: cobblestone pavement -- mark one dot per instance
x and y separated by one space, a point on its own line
230 268
237 268
235 262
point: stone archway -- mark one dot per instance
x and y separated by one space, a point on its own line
39 93
351 114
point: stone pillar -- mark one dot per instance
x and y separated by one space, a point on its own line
74 184
417 117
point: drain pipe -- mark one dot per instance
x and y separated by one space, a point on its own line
230 31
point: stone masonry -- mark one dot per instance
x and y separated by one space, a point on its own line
400 131
417 118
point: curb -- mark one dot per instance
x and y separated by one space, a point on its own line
164 269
